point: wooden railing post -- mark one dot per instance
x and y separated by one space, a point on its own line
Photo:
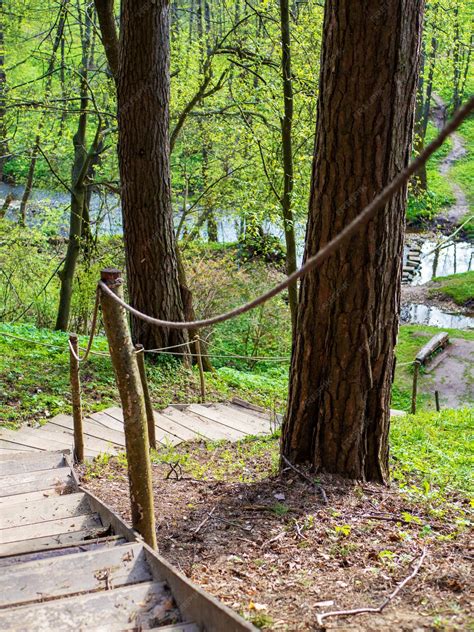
415 385
76 398
150 417
201 369
127 374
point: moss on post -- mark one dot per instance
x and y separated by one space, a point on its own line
76 398
134 413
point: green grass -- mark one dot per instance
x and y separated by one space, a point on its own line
459 287
436 448
34 379
463 172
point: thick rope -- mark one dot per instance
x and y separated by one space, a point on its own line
351 229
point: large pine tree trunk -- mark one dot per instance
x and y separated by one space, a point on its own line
343 355
143 84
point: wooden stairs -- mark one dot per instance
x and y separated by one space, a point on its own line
67 562
104 433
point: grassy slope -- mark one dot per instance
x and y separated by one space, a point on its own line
34 378
459 287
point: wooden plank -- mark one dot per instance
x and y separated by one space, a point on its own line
80 546
104 419
169 426
179 627
437 342
13 450
233 422
53 508
101 569
34 481
49 528
16 499
116 419
92 429
71 538
274 417
31 438
44 437
115 412
253 423
202 427
129 607
92 444
16 444
33 463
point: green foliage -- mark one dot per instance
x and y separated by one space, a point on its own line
459 287
435 450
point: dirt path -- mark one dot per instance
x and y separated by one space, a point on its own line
460 208
452 375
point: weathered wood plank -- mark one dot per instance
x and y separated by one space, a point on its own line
49 528
79 546
53 508
25 482
130 607
16 499
39 437
101 569
107 420
92 444
29 438
206 428
50 542
437 342
34 462
92 429
167 426
179 627
116 415
10 439
252 422
13 450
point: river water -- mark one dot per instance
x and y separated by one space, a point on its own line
457 256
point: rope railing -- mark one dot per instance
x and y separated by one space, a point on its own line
332 246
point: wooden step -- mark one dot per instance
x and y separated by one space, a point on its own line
136 607
162 436
53 508
179 627
254 425
169 426
31 462
47 528
24 482
202 426
79 546
92 444
15 446
92 429
101 569
19 499
94 529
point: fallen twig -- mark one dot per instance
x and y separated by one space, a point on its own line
206 519
320 489
378 610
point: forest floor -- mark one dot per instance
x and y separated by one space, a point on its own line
268 546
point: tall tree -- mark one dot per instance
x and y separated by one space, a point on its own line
287 149
343 355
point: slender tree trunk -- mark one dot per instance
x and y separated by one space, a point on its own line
143 84
420 179
343 354
286 138
4 152
78 191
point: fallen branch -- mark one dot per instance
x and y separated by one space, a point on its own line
384 604
320 489
206 519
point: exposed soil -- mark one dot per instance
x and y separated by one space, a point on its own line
426 294
452 375
271 550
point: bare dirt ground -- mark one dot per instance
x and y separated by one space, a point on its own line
452 375
425 294
270 549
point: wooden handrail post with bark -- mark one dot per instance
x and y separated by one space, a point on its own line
197 343
76 398
129 383
150 416
416 370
